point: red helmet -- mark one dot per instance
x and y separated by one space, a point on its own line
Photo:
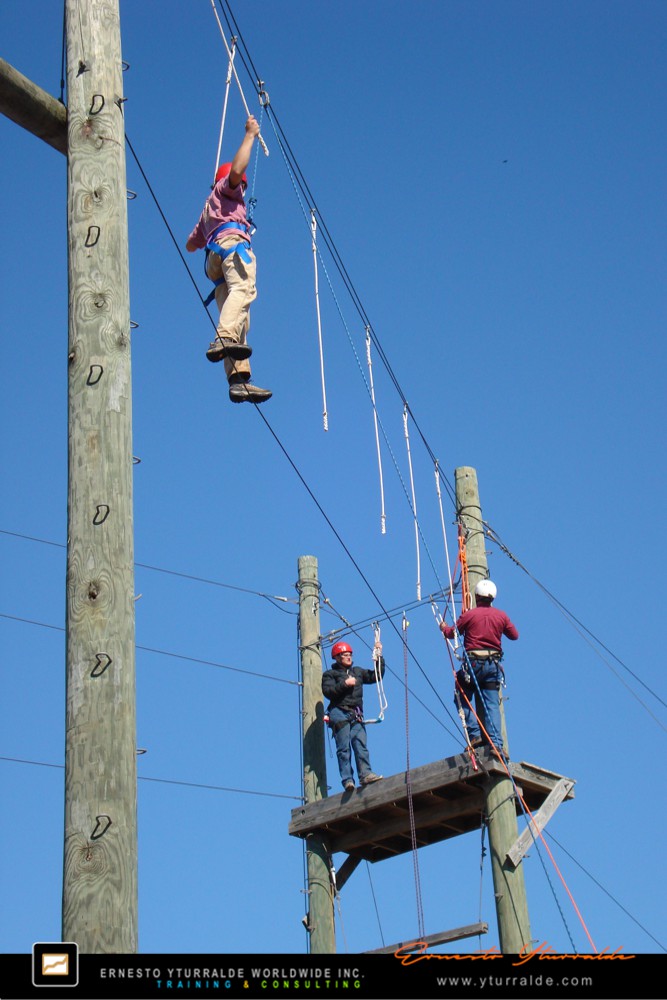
340 647
224 170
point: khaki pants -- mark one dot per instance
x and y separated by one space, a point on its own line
233 298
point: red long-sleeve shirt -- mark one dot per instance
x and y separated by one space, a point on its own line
483 628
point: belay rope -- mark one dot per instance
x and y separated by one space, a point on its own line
236 77
457 693
224 106
408 782
444 537
466 596
414 498
378 676
313 230
369 362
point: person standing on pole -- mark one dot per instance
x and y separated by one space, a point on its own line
479 679
343 685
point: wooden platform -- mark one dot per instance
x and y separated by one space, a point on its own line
448 796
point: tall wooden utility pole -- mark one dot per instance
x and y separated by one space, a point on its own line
100 854
508 881
320 922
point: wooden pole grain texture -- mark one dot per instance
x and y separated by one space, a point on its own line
508 881
320 919
100 848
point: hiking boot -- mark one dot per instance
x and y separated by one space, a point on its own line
225 347
349 785
241 392
368 779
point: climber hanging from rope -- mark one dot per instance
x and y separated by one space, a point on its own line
481 675
343 685
223 231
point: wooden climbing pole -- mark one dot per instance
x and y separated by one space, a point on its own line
100 853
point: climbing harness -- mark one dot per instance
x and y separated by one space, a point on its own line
495 656
241 248
470 660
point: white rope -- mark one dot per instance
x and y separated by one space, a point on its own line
414 501
340 920
378 673
313 230
453 647
439 619
224 107
383 518
444 535
236 77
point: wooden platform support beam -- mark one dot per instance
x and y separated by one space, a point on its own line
348 867
538 821
432 940
320 920
32 108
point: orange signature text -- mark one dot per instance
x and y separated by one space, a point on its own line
417 951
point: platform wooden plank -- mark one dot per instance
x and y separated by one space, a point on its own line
447 800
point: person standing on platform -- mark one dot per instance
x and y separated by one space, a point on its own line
482 628
343 685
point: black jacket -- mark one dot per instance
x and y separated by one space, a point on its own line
341 695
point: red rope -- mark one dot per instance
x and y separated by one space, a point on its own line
466 596
525 806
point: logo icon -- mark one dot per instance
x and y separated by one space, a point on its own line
55 963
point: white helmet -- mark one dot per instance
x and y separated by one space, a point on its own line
486 588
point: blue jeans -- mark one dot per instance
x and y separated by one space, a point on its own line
484 690
350 736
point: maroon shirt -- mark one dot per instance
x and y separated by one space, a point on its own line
224 204
483 628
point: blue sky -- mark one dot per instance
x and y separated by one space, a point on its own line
492 175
